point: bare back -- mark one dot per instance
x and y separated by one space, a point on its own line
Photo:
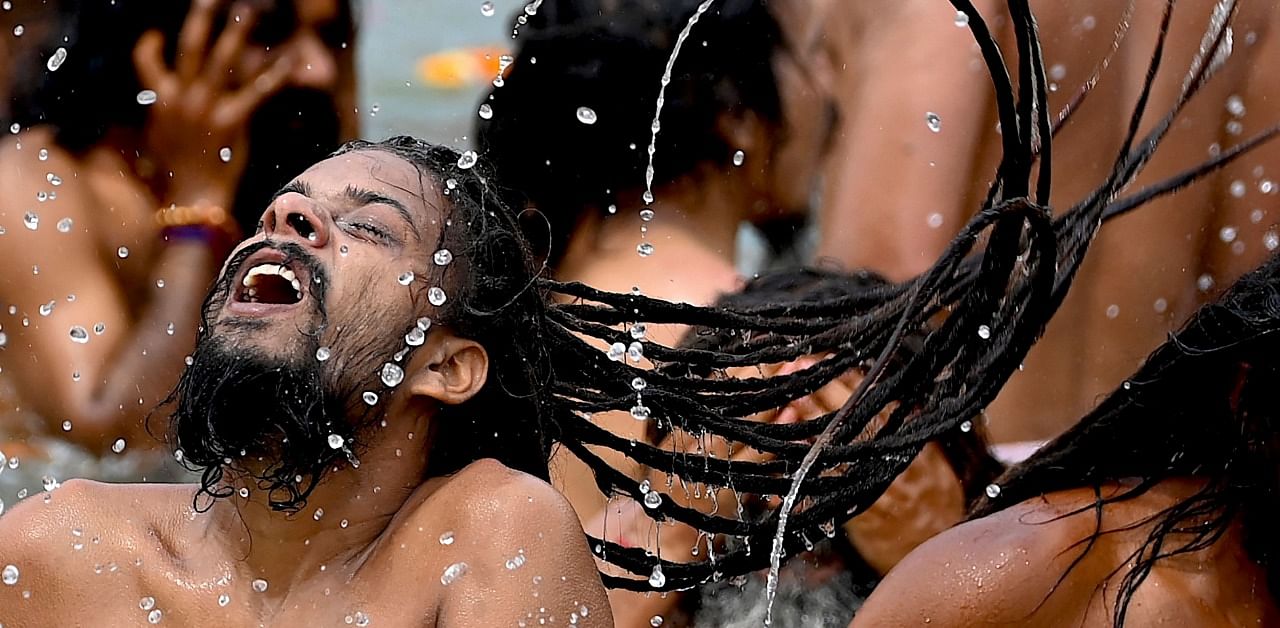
113 555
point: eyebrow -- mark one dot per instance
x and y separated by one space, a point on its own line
299 187
360 196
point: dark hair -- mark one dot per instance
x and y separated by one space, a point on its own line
96 87
578 53
1203 405
494 300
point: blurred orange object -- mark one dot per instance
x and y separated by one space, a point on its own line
461 67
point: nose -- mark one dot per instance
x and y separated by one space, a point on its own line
294 215
316 66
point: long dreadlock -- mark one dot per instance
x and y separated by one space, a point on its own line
978 310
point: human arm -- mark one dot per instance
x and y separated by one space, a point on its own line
105 385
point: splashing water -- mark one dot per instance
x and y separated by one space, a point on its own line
645 249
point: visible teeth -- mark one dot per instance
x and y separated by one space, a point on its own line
288 274
297 286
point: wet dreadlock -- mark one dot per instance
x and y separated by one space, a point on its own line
1204 406
977 312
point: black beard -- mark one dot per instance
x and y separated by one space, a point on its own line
289 133
237 411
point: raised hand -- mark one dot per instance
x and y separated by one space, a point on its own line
202 106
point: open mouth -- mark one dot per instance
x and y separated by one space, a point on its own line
269 279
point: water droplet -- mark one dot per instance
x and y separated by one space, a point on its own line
616 351
64 225
118 446
436 296
1205 282
655 621
336 441
19 30
43 155
934 121
1267 186
446 538
224 154
370 398
638 384
443 257
646 214
647 197
935 220
147 603
652 499
993 490
320 511
146 97
645 249
66 426
15 128
1238 188
259 585
1227 234
415 337
984 332
343 250
657 578
322 354
452 573
46 308
640 413
31 220
1271 240
1113 311
635 352
424 323
50 483
53 179
739 157
486 8
962 19
468 160
587 115
392 375
224 599
516 562
122 252
362 619
405 278
1161 305
79 335
55 61
1235 106
966 427
10 575
1058 72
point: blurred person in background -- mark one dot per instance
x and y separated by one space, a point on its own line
920 125
157 133
744 125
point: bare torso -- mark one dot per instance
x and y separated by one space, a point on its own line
112 555
1004 569
895 205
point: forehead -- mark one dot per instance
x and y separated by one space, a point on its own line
377 171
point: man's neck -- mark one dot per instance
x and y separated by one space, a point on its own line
343 519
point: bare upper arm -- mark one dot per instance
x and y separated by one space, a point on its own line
1002 569
47 265
526 556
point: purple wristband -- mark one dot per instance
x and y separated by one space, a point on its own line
198 233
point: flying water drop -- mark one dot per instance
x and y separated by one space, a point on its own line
392 375
336 441
10 575
652 499
993 491
259 585
415 337
370 398
452 573
657 578
55 61
739 158
224 154
64 225
616 351
486 8
405 278
322 354
645 249
587 115
31 220
118 446
468 160
934 121
436 296
146 97
79 335
443 257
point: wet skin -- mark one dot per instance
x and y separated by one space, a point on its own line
1004 570
91 552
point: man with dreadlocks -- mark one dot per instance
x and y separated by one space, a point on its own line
1160 505
345 449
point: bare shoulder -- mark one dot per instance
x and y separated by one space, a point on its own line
515 551
51 543
1011 566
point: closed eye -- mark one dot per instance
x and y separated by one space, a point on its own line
369 229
